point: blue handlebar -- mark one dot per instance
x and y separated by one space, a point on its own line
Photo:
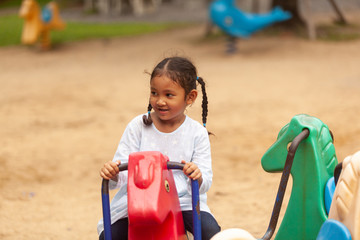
196 209
106 208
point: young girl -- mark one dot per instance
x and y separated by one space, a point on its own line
168 130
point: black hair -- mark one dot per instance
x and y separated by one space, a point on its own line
182 71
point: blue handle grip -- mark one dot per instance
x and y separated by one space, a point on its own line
106 209
196 209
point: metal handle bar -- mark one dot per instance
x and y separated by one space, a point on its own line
170 165
283 182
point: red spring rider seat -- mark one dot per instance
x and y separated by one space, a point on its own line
153 203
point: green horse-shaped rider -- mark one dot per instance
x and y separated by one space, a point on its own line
314 163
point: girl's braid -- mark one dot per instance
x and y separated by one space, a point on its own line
147 119
204 104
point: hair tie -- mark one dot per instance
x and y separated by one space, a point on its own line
204 124
148 112
197 78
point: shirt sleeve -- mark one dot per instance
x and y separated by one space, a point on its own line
202 158
129 143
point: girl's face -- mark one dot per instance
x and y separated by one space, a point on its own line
168 100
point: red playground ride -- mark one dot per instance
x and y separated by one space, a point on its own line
153 203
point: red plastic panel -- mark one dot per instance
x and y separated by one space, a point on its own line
153 204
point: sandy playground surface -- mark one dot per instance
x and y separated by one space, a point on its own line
63 113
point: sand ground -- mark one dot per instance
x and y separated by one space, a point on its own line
63 113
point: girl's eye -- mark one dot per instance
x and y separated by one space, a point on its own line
169 95
153 93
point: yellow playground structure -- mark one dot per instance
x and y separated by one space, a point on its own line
38 23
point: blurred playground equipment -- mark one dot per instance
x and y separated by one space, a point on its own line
153 204
312 12
38 23
316 178
237 23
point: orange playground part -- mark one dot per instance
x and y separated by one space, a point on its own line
38 23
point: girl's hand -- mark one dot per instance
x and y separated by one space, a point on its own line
192 171
110 170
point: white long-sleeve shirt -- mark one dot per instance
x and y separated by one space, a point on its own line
189 142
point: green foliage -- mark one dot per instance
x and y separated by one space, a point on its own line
79 31
11 28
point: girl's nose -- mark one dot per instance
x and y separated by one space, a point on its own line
160 102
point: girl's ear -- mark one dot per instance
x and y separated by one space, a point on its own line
191 97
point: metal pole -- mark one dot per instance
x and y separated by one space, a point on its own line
283 183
